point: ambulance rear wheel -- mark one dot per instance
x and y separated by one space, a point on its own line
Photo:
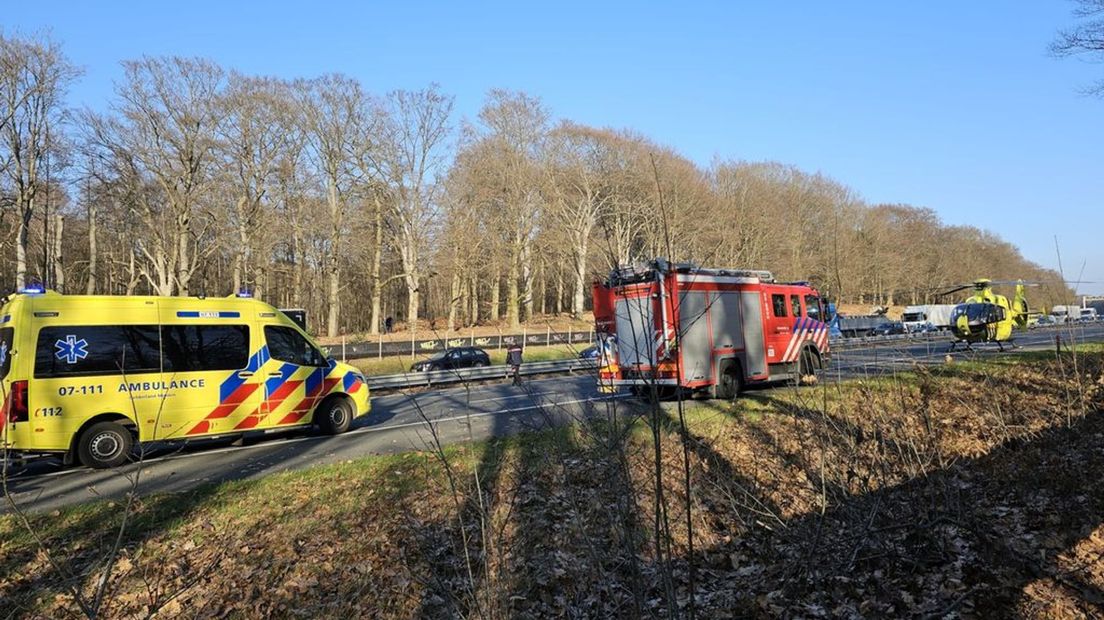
334 416
104 445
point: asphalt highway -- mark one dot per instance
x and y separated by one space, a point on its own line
403 422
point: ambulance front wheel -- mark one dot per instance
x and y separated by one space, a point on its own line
334 416
104 445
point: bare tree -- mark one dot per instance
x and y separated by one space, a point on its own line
164 133
333 115
34 78
254 139
1085 39
578 182
415 133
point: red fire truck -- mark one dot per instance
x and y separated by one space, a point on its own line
709 330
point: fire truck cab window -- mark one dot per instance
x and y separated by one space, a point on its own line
779 303
795 301
812 307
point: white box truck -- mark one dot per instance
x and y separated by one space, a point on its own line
928 316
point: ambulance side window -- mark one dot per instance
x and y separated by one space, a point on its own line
75 351
795 302
287 345
812 307
7 337
192 348
779 303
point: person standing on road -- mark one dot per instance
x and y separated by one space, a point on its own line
513 358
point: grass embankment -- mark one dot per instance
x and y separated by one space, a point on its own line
966 489
401 363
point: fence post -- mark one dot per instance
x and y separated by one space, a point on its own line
524 331
473 335
548 336
590 335
412 341
380 341
343 348
569 338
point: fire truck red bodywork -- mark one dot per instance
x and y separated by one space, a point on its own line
690 327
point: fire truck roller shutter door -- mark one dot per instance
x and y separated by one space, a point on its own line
694 335
752 316
724 314
635 331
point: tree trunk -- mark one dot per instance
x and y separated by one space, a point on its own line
377 260
513 296
21 248
496 297
93 256
58 259
473 291
241 257
454 299
183 272
527 280
559 290
333 313
579 297
542 282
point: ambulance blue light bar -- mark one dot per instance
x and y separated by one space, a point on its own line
245 293
33 289
207 314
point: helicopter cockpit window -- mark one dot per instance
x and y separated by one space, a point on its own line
979 313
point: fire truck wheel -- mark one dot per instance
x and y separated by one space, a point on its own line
731 381
104 445
334 416
807 365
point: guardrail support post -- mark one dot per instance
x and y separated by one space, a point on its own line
343 348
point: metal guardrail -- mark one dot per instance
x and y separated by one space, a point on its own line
443 377
428 346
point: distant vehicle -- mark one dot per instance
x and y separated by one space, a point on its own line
1089 314
454 359
892 328
937 315
853 326
1065 314
1043 321
590 353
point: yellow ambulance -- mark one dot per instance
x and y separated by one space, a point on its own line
88 376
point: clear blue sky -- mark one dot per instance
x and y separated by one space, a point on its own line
950 105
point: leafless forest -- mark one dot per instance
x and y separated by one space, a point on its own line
197 179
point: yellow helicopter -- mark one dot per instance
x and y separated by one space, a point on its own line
986 316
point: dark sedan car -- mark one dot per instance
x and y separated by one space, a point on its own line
452 359
889 329
589 353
